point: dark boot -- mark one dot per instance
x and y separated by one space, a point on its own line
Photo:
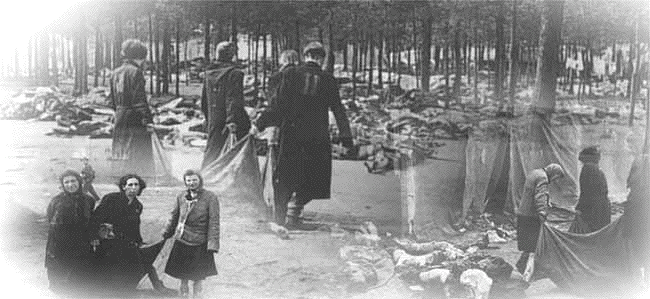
521 263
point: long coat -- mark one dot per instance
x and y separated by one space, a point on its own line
637 209
200 223
117 261
593 201
68 243
131 140
300 100
222 102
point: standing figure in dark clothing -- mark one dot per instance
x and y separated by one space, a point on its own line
68 242
300 109
533 209
131 135
222 102
194 224
117 258
637 214
593 204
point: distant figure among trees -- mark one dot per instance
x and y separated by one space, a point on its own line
593 204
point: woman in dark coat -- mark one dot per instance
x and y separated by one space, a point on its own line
636 218
68 243
593 205
132 147
117 259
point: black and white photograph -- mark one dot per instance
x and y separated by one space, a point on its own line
314 149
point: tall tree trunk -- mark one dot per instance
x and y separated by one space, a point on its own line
264 45
344 49
98 55
55 62
135 28
117 42
153 66
77 76
550 38
446 57
207 42
514 51
499 53
477 56
457 50
355 58
436 58
330 54
380 58
165 56
297 44
415 49
84 56
178 56
426 51
233 29
157 56
633 69
257 57
185 55
107 59
371 53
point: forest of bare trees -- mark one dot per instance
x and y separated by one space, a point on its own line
519 42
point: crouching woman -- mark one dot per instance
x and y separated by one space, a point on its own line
194 224
68 242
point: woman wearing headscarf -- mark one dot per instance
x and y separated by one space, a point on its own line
68 243
194 224
119 267
593 205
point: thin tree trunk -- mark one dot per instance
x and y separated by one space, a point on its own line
157 56
634 69
97 55
457 50
55 62
187 69
117 44
207 42
426 51
547 65
415 50
380 59
477 47
297 45
499 53
233 29
257 56
153 66
330 54
355 58
371 53
514 51
344 48
178 57
16 64
264 61
165 56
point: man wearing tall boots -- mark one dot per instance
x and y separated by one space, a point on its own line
300 108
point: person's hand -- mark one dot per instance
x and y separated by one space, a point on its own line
542 217
272 135
253 131
232 127
150 128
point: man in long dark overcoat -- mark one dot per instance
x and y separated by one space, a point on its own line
131 138
300 108
222 102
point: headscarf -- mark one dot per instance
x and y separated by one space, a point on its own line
73 173
589 155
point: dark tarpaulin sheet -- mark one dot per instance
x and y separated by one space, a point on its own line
595 264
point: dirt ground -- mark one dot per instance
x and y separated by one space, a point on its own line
252 263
